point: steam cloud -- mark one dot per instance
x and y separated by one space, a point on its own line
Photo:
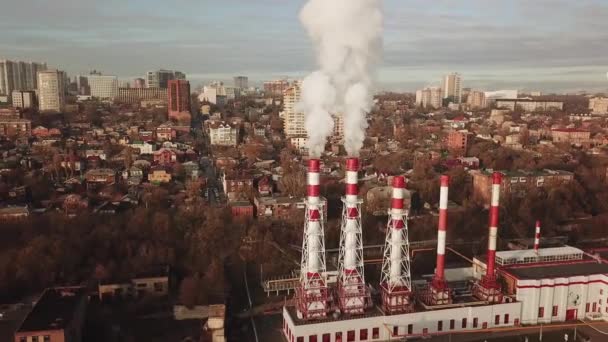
348 39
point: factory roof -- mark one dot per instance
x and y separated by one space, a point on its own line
54 309
559 270
542 255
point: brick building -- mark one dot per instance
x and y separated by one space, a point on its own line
179 100
571 136
14 127
457 142
237 186
516 183
165 156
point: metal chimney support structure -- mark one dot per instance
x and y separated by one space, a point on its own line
537 237
396 281
439 293
312 296
488 288
353 295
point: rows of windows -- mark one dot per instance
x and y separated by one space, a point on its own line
363 334
45 338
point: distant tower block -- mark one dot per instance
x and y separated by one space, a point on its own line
537 237
488 288
312 296
439 293
396 281
352 293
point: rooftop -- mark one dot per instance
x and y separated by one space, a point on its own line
527 173
54 309
543 255
571 269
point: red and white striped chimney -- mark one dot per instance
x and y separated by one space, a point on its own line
312 183
494 211
441 230
352 181
398 224
315 249
537 237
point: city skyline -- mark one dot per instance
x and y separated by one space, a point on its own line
493 45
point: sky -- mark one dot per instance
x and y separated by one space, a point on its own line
548 45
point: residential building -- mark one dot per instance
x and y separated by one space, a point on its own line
136 95
430 97
529 105
276 87
139 83
476 99
57 316
223 133
571 136
599 105
241 82
165 156
293 119
282 208
179 100
452 87
237 187
103 87
165 132
160 78
517 183
214 93
15 127
18 75
100 177
300 143
457 142
24 99
51 90
159 176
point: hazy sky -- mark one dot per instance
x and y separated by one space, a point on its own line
532 44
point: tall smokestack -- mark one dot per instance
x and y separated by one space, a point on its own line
488 289
537 237
352 293
312 294
439 280
395 281
494 212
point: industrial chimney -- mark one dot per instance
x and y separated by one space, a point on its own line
395 281
488 288
353 295
312 296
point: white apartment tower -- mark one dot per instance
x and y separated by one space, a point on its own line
51 90
430 97
103 87
293 119
452 87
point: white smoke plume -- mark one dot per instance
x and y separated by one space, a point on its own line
348 39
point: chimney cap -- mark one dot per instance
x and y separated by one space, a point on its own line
496 178
314 165
445 180
399 182
352 164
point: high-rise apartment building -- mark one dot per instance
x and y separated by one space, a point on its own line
452 87
430 97
476 99
139 83
276 87
293 120
24 99
599 105
18 75
51 90
82 83
161 78
179 100
241 82
136 95
103 87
